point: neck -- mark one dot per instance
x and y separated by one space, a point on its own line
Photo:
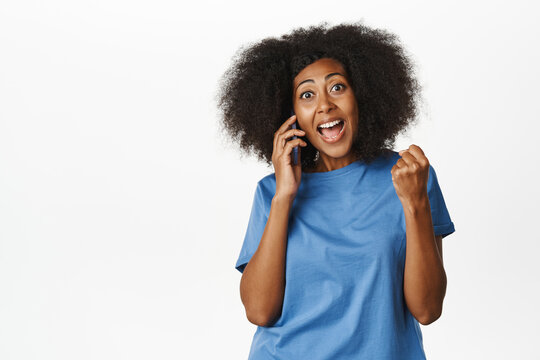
326 163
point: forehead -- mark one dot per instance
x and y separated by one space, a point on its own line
319 69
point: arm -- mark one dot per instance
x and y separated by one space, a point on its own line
424 283
425 279
263 281
438 240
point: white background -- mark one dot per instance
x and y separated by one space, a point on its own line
123 210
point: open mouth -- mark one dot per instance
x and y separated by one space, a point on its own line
331 130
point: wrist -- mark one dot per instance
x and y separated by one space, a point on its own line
417 206
283 200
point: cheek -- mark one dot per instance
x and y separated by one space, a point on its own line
303 125
308 128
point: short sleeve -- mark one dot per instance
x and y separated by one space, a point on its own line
442 223
255 228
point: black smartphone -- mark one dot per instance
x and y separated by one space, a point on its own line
295 149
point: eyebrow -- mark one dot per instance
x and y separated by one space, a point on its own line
325 78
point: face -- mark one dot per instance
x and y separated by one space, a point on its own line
322 94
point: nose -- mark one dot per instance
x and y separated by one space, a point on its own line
324 104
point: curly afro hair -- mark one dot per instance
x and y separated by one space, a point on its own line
255 93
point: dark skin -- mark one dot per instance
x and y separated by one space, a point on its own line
424 284
322 90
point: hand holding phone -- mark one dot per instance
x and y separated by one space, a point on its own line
286 157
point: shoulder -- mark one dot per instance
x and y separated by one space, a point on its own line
267 181
432 177
266 187
391 155
387 156
385 161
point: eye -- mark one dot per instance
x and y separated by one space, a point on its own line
302 95
341 85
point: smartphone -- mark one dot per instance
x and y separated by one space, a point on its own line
295 149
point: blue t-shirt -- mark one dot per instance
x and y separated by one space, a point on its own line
344 266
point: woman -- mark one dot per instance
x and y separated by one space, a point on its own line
342 257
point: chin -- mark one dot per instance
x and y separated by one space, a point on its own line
337 152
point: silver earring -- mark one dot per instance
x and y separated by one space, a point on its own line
317 155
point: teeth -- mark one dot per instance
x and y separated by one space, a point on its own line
333 137
330 124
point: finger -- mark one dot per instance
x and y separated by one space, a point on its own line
397 172
415 149
287 150
418 153
408 152
408 158
289 134
394 171
401 163
286 124
284 127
